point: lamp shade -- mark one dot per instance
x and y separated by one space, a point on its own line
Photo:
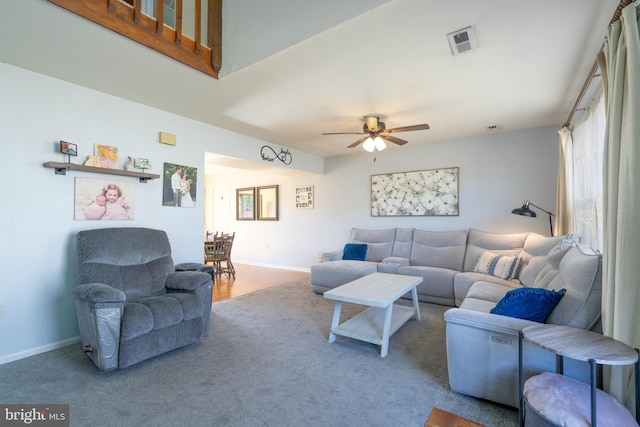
524 210
369 145
379 143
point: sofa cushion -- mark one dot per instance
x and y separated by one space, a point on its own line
443 249
528 303
354 251
535 256
500 243
502 266
580 274
379 242
403 242
551 268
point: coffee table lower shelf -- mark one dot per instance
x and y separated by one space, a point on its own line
368 325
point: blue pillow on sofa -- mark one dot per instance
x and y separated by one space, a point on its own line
528 303
355 251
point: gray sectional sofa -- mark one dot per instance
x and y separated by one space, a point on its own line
482 348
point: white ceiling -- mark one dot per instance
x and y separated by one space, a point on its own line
298 68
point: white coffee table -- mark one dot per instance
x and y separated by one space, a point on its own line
376 324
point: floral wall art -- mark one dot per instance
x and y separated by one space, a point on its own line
420 193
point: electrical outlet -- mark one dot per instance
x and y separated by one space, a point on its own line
1 309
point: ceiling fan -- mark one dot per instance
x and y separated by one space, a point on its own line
375 132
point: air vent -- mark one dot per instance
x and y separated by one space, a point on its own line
462 41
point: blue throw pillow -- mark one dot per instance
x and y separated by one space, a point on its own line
528 303
355 251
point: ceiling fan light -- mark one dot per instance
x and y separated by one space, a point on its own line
379 143
369 145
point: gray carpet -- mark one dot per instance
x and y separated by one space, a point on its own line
266 362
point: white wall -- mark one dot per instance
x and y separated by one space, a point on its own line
38 228
497 173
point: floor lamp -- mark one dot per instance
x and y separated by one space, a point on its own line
526 211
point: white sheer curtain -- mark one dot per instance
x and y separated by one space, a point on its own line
587 156
620 66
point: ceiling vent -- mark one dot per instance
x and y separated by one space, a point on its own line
462 41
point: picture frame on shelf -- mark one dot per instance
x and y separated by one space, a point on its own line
68 148
140 163
108 156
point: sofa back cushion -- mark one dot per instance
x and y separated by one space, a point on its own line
444 249
581 275
403 242
379 242
499 243
535 256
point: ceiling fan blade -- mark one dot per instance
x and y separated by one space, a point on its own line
343 133
393 139
358 142
423 126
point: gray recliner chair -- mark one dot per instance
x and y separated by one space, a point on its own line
130 303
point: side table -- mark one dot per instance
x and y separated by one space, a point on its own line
583 345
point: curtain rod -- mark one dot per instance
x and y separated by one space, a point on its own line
594 67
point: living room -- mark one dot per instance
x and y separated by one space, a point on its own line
497 172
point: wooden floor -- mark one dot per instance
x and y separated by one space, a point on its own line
251 278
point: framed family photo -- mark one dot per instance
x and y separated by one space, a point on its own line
179 185
304 197
420 193
104 200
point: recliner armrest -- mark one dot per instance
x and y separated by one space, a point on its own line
487 321
332 255
187 280
99 293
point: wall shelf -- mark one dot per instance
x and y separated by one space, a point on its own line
62 168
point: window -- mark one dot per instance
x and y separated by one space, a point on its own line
588 153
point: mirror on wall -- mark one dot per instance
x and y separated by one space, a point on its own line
245 204
267 203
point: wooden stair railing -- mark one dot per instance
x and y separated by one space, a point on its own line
126 18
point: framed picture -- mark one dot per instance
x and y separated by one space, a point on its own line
179 185
104 200
267 203
141 163
421 193
108 156
68 148
245 204
304 197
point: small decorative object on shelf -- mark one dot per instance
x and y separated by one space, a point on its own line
69 149
93 162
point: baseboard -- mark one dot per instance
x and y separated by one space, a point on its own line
279 267
37 350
